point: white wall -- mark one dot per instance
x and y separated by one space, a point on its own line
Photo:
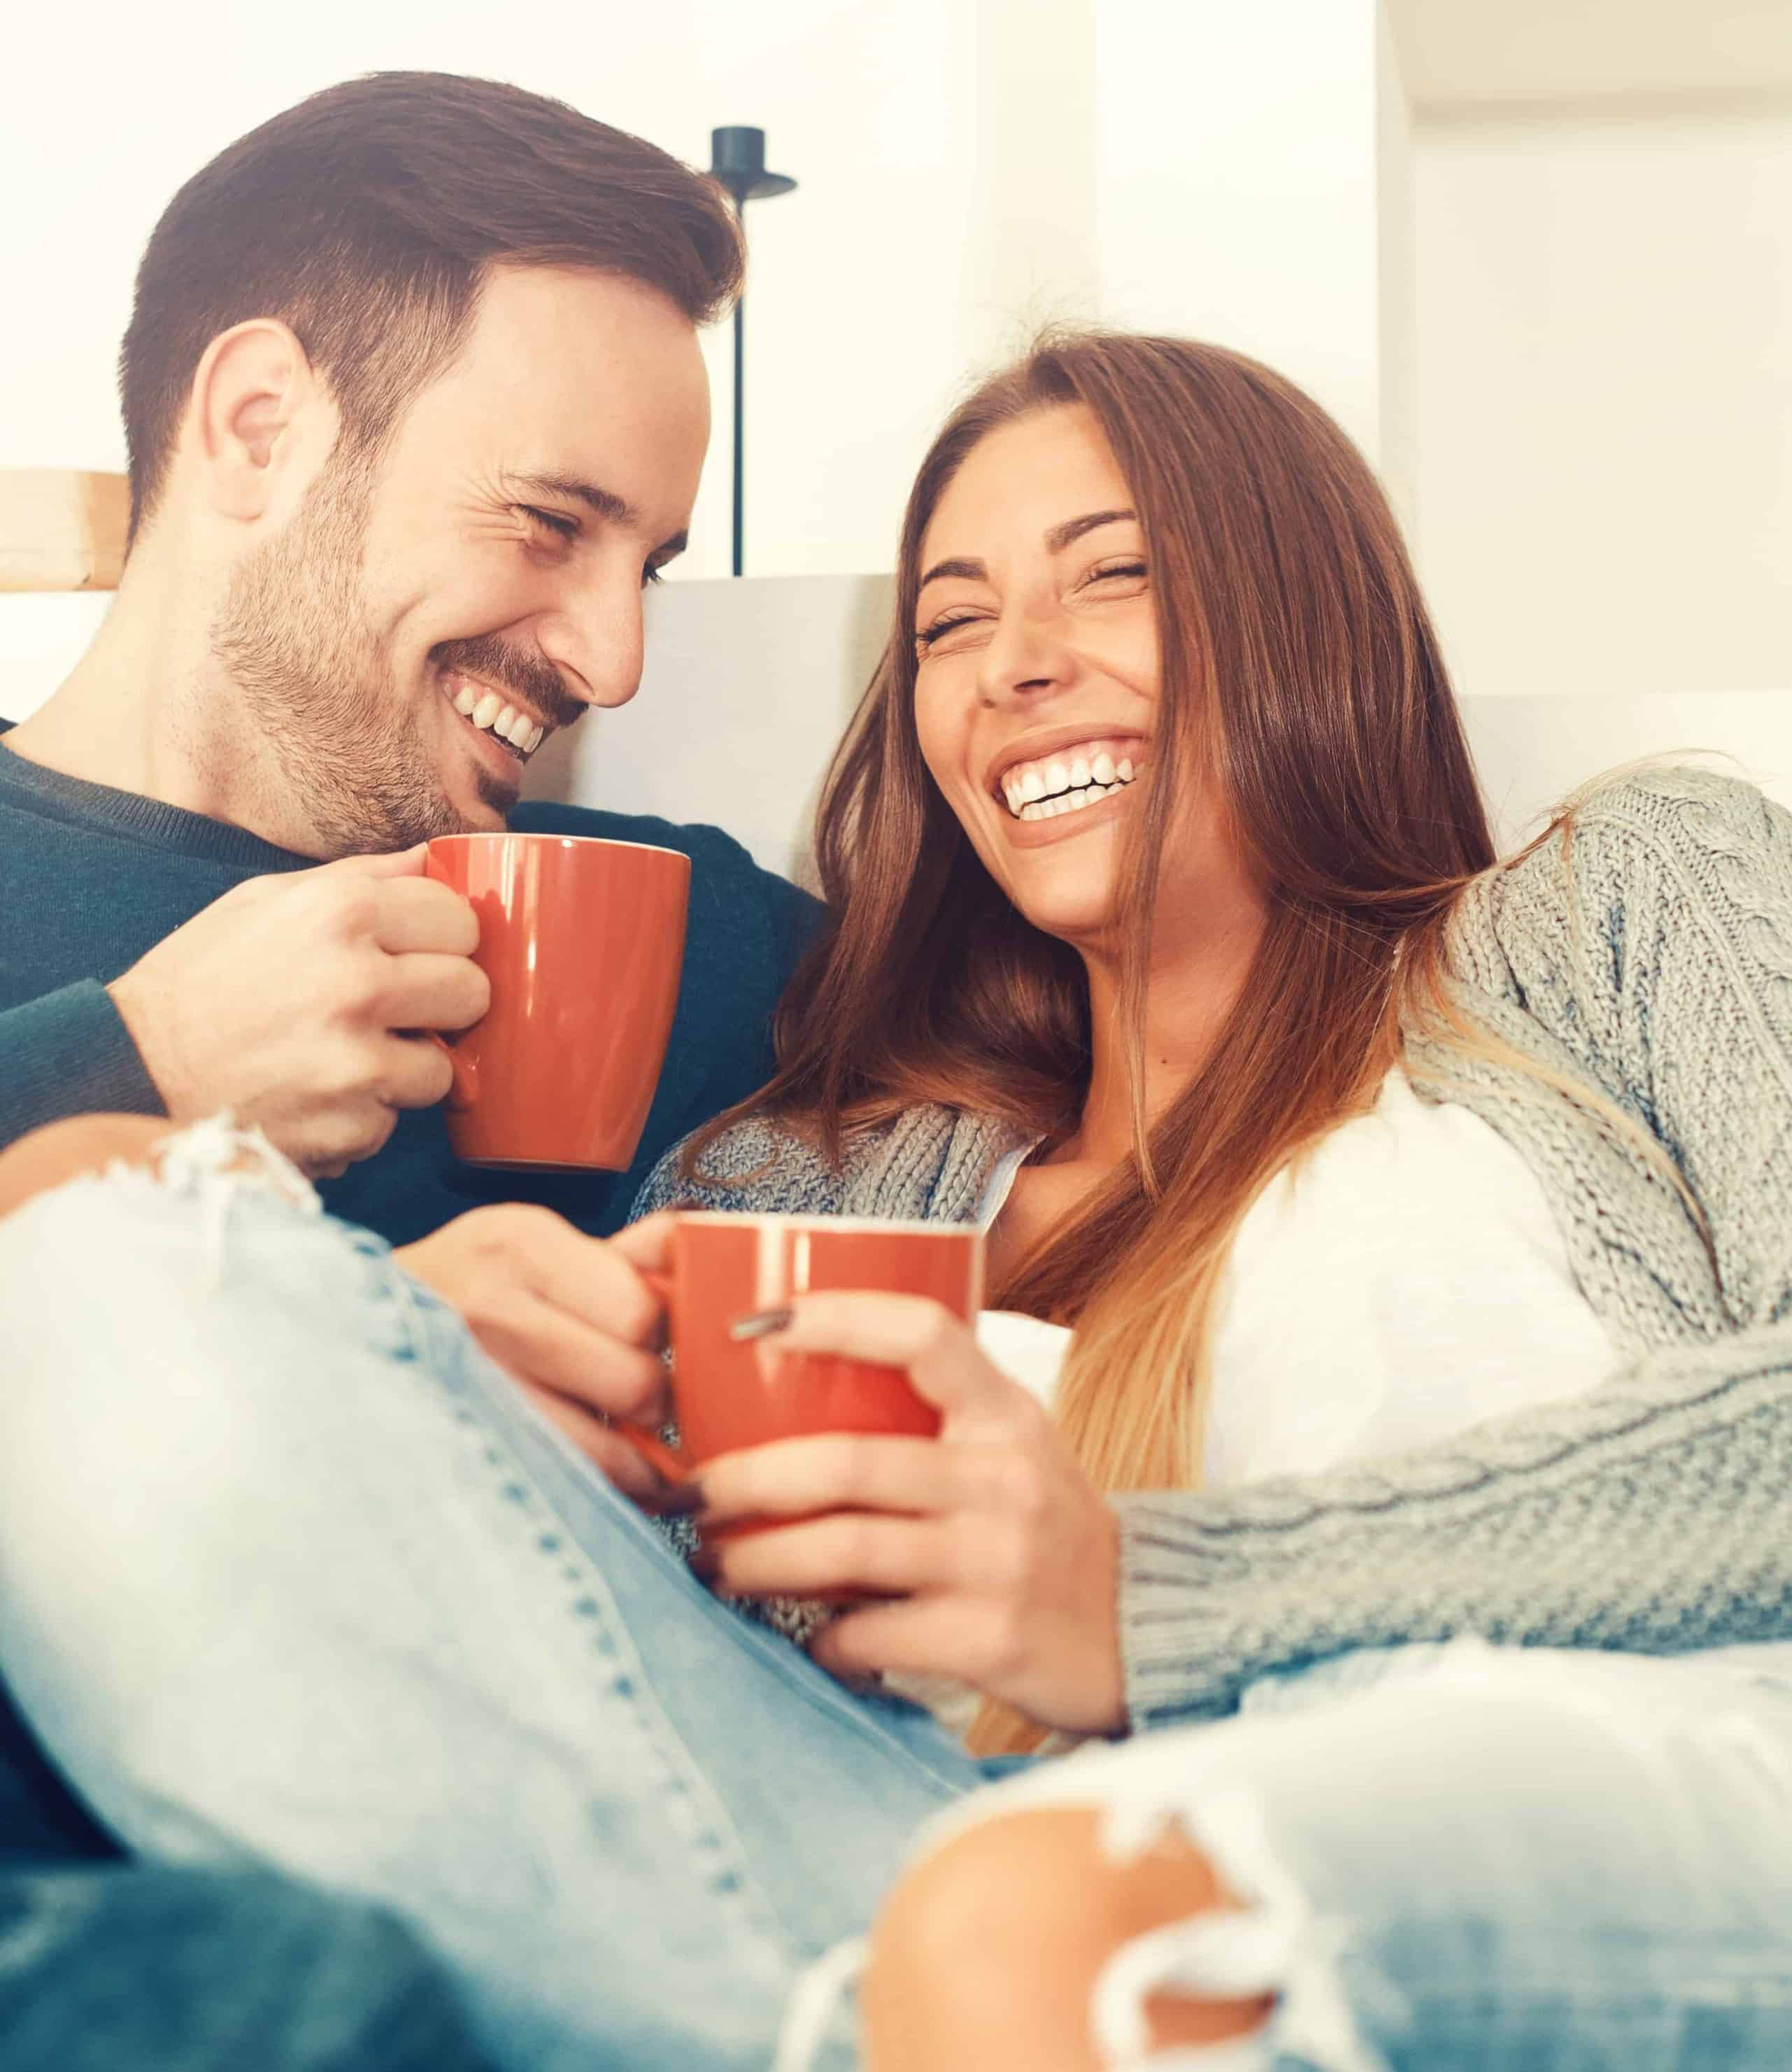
859 324
1605 396
748 685
1565 336
1236 184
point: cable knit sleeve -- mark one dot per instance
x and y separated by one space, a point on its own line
756 1166
1655 1513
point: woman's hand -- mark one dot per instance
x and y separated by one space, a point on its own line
1001 1556
568 1316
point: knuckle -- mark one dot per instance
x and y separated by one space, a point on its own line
348 1071
436 1074
1010 1556
459 922
858 1545
936 1326
499 1232
477 988
360 987
1004 1641
855 1464
636 1389
1014 1485
350 905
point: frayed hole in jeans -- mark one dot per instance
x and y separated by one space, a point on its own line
213 1162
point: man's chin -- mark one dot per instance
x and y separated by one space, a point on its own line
496 796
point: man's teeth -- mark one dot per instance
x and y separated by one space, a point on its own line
489 712
1041 791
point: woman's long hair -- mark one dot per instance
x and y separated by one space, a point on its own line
1300 670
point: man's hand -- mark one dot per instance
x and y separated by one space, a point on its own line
293 1000
567 1315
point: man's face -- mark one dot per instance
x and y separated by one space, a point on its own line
482 577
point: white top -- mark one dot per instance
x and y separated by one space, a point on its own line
1406 1282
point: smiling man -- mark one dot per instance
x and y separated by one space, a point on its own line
416 411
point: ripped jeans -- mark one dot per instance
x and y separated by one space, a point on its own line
290 1572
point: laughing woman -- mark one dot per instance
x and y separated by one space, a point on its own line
1401 1238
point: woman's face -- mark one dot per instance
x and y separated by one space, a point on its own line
1036 700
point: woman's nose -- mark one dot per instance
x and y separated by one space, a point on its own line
1025 659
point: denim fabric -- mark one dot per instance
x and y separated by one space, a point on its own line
186 1971
288 1571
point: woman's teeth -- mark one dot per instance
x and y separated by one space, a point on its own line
1041 790
488 712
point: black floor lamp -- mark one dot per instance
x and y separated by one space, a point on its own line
737 159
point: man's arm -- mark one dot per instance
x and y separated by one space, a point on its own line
69 1054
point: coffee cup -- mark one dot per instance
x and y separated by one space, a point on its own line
731 1392
583 940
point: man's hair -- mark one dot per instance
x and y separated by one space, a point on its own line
366 217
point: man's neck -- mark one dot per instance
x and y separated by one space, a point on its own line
128 713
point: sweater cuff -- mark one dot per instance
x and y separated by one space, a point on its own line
70 1054
1178 1643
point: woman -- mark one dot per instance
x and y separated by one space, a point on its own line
1329 1140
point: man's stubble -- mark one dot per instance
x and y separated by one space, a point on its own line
294 637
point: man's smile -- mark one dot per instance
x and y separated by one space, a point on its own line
489 711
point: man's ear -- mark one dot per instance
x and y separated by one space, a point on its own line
253 433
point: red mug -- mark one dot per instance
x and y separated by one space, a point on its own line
726 1266
583 940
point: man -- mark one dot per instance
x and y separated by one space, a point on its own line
415 411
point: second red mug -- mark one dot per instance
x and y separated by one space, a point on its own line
726 1266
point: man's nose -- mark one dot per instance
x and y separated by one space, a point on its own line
596 643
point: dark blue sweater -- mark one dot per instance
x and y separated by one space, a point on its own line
91 877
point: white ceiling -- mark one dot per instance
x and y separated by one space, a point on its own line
1465 53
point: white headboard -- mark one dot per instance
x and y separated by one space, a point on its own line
748 685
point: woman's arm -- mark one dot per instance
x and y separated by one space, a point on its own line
1654 1514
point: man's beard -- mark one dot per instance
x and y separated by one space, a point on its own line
294 636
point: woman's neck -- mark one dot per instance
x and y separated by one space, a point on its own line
1191 991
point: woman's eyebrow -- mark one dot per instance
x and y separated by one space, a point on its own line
1060 537
971 571
1057 539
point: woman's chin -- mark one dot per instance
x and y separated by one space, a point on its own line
1085 920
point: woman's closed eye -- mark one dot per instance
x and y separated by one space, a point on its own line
1133 571
1121 578
928 636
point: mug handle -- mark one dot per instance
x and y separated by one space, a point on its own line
670 1466
465 1090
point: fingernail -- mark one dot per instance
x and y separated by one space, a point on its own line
761 1324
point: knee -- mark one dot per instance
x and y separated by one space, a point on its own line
988 1950
80 1144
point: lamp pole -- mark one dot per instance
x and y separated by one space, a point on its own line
737 163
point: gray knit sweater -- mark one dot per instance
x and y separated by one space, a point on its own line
1652 964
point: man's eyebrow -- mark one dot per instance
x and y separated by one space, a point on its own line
1057 539
605 502
1060 537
